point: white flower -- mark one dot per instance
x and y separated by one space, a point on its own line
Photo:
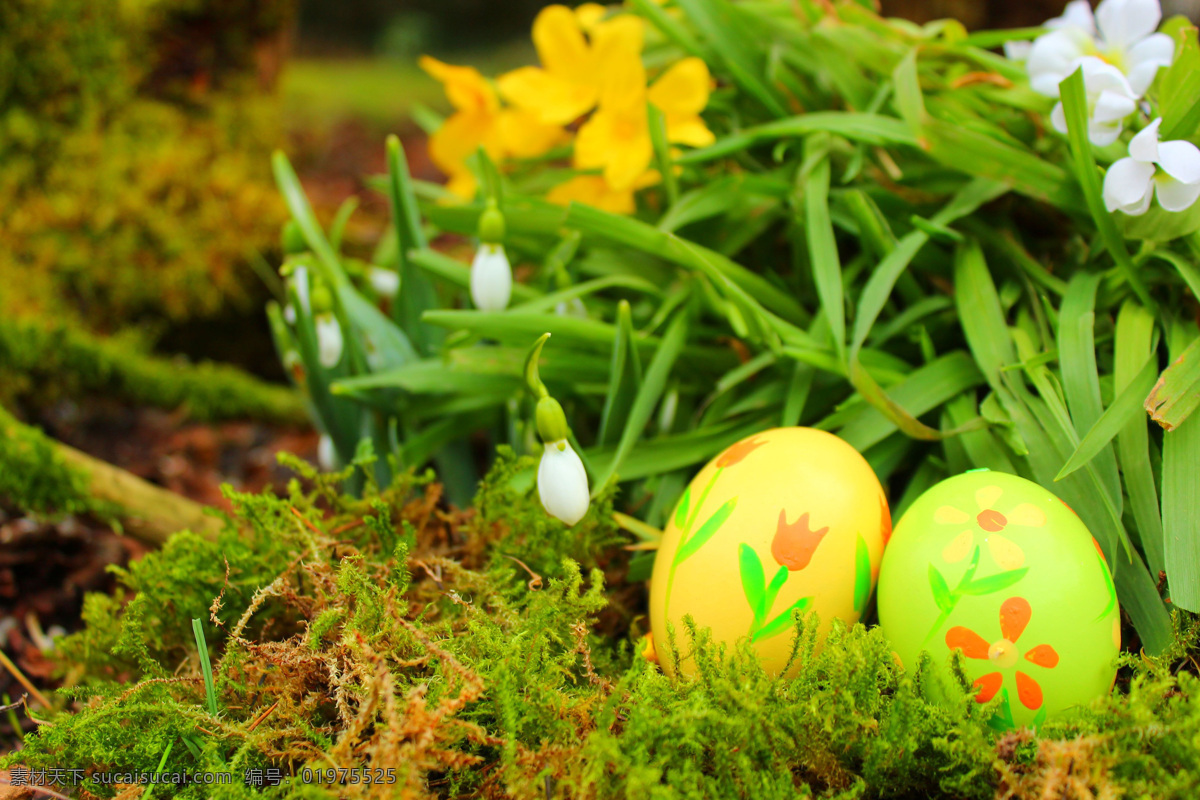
289 314
1109 101
326 455
1170 168
562 482
1122 34
1077 14
491 278
329 340
385 282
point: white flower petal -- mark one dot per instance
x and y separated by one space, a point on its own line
1054 56
1145 58
289 314
1140 207
1102 134
326 455
1077 14
1144 146
562 482
1112 107
1127 182
385 282
1058 118
1175 195
491 278
1100 76
1180 160
329 340
1124 22
1017 51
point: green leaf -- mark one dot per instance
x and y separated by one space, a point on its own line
416 293
662 152
782 622
909 100
941 590
710 527
648 395
624 378
873 129
1181 506
1126 409
1179 85
822 246
1075 108
994 583
1177 392
862 575
456 273
754 580
980 313
735 46
1080 377
668 453
1134 346
432 376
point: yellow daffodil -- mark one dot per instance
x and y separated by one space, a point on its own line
617 137
594 190
480 121
575 48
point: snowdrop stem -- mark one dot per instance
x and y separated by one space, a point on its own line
532 379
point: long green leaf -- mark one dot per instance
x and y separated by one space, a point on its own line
873 129
754 580
1125 409
822 246
1134 346
651 390
624 378
1177 392
1181 506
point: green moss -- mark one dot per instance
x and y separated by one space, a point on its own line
336 646
54 360
34 477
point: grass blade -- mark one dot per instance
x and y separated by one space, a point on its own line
210 690
1177 392
1181 507
648 395
1134 345
624 378
822 246
1125 409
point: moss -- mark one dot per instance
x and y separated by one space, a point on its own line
48 360
390 633
35 477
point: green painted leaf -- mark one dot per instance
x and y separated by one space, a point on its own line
781 576
753 579
681 508
994 583
862 575
941 590
1112 590
710 527
781 622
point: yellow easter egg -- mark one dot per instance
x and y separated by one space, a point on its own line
791 519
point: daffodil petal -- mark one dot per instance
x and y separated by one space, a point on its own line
554 100
465 87
594 191
689 129
524 135
682 89
589 15
1126 183
561 45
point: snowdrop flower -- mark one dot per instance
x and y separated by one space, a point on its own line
326 455
329 340
385 282
491 278
1121 34
1109 101
562 482
491 274
1170 168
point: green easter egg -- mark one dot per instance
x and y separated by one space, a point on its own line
999 568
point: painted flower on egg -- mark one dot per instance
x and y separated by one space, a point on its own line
1004 654
989 518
